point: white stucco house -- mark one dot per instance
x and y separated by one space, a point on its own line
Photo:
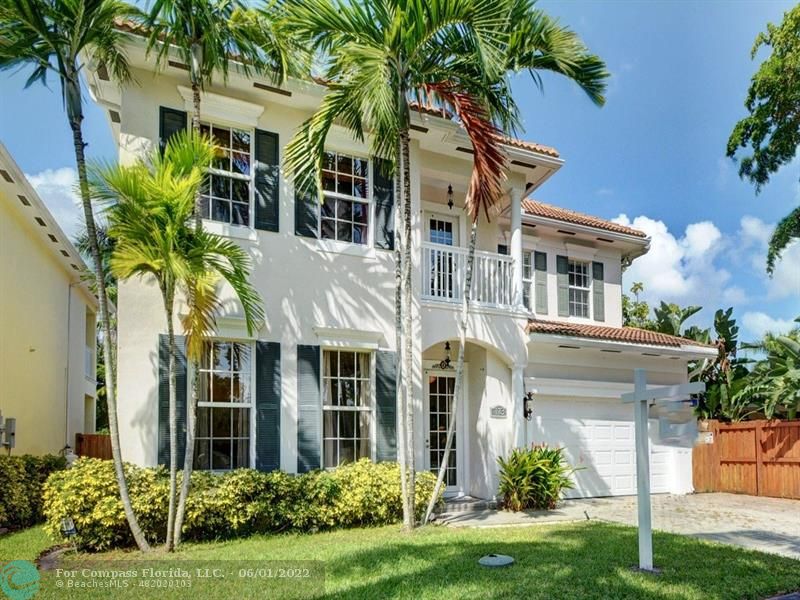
315 386
47 323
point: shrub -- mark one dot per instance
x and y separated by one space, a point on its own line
534 478
234 504
21 481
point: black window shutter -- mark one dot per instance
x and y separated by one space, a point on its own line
267 180
383 195
386 404
170 122
306 214
598 291
268 406
540 282
163 398
309 409
562 279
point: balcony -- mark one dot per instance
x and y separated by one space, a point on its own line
444 269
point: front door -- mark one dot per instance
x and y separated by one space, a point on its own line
439 404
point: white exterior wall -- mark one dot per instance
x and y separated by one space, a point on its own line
44 309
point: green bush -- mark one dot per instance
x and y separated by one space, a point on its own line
21 481
534 478
234 504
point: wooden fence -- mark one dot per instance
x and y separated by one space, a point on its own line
93 445
761 458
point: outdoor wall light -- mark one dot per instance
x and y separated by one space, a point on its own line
450 197
527 406
445 364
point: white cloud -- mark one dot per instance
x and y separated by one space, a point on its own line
681 269
759 323
57 189
785 280
604 191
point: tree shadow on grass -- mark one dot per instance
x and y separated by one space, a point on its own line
581 561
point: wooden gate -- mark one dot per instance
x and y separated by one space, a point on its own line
761 458
93 445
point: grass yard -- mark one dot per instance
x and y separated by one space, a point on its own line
583 560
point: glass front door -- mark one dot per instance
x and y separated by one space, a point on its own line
440 402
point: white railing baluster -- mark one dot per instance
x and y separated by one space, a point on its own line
445 270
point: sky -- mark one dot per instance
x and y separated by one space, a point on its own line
653 157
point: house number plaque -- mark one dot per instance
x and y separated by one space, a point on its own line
498 412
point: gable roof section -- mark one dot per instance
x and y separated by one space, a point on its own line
630 335
549 211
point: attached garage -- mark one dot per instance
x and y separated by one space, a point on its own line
598 436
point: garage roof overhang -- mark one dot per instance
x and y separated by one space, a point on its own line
683 352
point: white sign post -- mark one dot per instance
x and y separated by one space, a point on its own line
641 397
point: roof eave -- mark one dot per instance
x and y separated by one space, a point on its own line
685 351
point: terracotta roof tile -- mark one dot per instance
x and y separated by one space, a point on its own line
631 335
548 211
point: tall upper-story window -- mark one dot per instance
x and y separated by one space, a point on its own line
224 407
226 196
346 406
345 208
579 287
527 278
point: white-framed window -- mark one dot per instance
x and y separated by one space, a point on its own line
580 282
228 190
527 278
225 406
346 406
345 212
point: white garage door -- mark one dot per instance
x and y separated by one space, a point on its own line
603 449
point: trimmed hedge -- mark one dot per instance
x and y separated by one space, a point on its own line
234 504
21 481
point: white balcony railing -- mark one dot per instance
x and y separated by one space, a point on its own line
444 269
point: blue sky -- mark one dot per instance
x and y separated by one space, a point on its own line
654 156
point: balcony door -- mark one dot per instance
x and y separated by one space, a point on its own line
443 231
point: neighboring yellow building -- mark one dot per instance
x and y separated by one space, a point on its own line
47 323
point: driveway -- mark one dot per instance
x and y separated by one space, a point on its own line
766 524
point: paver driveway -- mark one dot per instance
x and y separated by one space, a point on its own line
766 524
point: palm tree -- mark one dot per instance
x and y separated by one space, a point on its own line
60 37
150 218
210 36
378 57
536 43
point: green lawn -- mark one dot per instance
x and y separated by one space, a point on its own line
584 560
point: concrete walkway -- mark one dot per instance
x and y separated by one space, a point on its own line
766 524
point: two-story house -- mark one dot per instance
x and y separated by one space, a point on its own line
314 387
47 324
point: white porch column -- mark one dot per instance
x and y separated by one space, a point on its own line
516 244
518 422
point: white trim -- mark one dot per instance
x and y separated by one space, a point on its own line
239 232
224 108
478 308
338 338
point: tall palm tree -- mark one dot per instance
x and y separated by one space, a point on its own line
536 43
150 217
378 57
60 37
210 36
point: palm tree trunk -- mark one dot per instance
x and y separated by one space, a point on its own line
195 73
408 378
451 426
173 418
408 513
75 115
188 462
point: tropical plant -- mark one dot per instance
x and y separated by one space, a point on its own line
534 478
772 128
210 36
670 318
636 312
377 58
60 37
151 205
774 384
